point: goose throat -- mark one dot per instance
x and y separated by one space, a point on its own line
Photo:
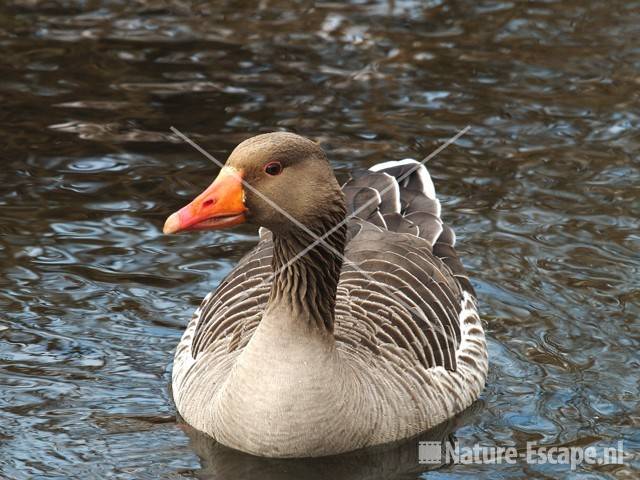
307 274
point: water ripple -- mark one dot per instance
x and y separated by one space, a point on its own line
543 193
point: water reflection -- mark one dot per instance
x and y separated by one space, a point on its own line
398 460
543 193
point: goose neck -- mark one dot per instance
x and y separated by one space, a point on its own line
306 272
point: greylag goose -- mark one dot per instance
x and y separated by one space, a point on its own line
317 347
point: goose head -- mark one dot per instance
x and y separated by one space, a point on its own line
266 180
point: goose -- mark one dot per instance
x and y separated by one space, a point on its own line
352 323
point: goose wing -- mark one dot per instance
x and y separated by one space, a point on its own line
401 291
227 317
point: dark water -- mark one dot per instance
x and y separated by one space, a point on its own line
544 193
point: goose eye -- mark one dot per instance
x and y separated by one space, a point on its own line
273 168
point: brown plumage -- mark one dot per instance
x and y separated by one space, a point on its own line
321 355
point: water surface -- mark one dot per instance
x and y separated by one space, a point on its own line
543 192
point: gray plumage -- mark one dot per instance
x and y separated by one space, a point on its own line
405 318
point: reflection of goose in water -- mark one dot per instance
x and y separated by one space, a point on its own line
396 461
324 357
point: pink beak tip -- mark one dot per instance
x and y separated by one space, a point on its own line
172 225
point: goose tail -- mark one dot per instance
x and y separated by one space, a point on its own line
400 196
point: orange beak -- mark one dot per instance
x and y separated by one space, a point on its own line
219 206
